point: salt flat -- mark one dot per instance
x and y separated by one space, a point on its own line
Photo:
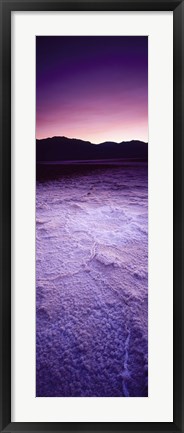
92 282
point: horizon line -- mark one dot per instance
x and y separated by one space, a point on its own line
106 141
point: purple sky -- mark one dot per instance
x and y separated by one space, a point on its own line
92 87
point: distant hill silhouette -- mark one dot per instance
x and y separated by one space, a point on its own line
71 149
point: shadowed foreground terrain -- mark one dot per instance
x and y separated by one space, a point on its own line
92 281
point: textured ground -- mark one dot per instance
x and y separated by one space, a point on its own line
92 283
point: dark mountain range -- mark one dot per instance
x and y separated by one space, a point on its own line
71 149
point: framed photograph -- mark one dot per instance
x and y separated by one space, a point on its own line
91 216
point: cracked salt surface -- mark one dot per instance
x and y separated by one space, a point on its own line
92 283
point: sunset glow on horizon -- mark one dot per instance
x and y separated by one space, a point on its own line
93 88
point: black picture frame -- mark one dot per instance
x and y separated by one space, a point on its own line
6 6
